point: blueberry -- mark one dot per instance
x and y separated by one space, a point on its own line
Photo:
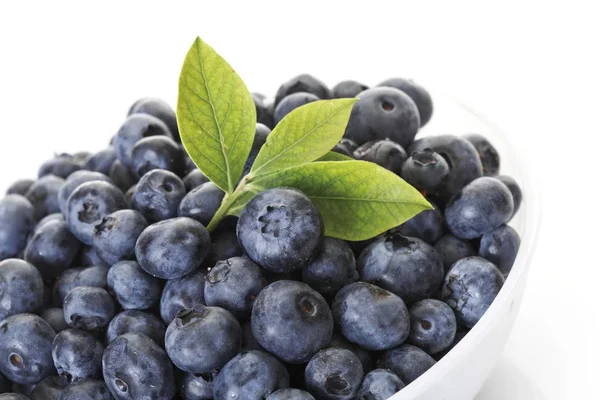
339 341
135 128
88 204
407 361
21 288
453 249
250 376
332 268
17 220
20 187
249 342
385 153
203 339
94 276
407 267
264 111
382 113
303 83
133 288
121 176
470 287
77 355
196 386
380 384
260 138
461 157
73 182
43 195
233 284
500 246
129 195
101 161
280 229
427 225
432 325
157 152
86 389
52 249
417 93
26 348
202 203
115 236
490 159
158 195
348 89
292 321
173 248
62 166
290 102
13 396
515 190
290 394
183 293
481 206
88 308
224 242
81 157
371 317
194 179
425 170
55 317
134 321
49 218
49 388
189 163
343 149
334 374
159 109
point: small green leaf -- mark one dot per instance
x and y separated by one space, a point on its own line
303 135
333 156
216 115
358 200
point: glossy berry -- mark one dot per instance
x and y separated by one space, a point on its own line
17 220
55 317
432 325
43 195
77 355
49 218
62 166
101 161
25 348
290 394
290 102
380 384
159 109
73 182
417 93
452 249
250 376
133 288
157 152
89 308
332 268
196 386
201 203
490 159
371 317
500 246
385 153
183 293
303 83
173 248
427 225
194 179
135 128
115 236
52 249
470 287
86 389
348 89
334 374
133 361
483 205
20 187
121 176
203 339
21 288
49 388
407 361
158 194
88 204
94 276
134 321
264 110
280 229
407 267
292 321
425 170
383 113
233 284
515 190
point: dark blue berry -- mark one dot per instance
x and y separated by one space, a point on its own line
134 321
77 355
158 194
260 138
159 109
303 83
417 93
183 293
292 321
21 288
94 276
290 102
380 384
224 241
49 388
73 182
432 325
101 161
339 341
348 89
385 153
264 110
121 176
453 249
17 220
62 166
515 190
157 152
43 195
490 159
203 339
86 389
202 203
20 187
115 236
133 288
425 170
88 308
500 246
196 386
49 218
427 225
407 361
332 268
55 317
280 229
194 179
249 342
173 248
334 374
290 394
470 287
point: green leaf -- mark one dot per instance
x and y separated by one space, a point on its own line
333 156
357 199
216 115
303 135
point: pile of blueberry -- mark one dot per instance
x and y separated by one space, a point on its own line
112 287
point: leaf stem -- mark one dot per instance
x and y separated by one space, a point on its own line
226 204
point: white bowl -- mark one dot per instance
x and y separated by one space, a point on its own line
461 374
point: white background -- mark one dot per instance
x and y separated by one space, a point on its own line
69 71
